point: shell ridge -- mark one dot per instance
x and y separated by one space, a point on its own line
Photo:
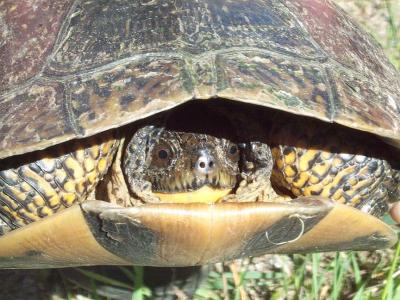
63 34
331 94
70 116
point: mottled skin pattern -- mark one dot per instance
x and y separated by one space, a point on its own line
93 65
49 181
335 163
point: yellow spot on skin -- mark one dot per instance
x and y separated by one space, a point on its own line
289 172
301 181
88 165
337 195
356 200
92 178
60 175
205 194
54 201
6 209
25 187
289 180
327 180
72 164
102 165
38 201
69 186
312 190
319 99
321 169
95 151
325 155
352 181
69 199
80 187
106 147
290 158
31 207
280 164
46 211
305 159
80 155
337 162
313 179
296 192
24 212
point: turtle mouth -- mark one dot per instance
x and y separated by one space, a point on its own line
191 183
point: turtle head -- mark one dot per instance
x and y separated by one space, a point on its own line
181 166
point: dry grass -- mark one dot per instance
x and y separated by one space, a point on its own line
381 18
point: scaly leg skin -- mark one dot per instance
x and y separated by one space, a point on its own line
255 183
42 183
135 162
334 163
256 159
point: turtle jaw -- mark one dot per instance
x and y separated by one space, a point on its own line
189 182
195 189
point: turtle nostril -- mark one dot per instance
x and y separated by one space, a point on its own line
205 163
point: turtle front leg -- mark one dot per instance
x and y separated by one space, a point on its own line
43 183
136 161
255 184
124 183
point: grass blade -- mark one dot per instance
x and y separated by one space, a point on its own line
389 287
104 279
316 258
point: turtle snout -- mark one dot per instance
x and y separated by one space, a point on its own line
205 164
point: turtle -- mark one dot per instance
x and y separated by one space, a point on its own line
181 133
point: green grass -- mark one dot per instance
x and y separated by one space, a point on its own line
344 275
393 34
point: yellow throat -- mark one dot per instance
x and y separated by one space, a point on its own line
205 194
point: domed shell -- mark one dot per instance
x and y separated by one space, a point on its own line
71 69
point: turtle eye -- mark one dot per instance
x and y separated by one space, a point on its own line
162 155
233 150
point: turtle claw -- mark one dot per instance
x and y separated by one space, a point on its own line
190 234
